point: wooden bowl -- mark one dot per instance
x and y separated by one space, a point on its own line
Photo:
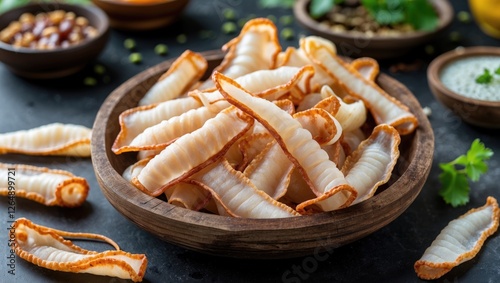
378 46
255 238
477 112
145 15
60 62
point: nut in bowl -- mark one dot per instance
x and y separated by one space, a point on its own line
141 14
257 164
467 81
357 34
51 40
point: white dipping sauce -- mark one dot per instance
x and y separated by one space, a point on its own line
460 76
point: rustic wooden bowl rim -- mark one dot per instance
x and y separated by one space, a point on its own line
435 67
111 182
445 12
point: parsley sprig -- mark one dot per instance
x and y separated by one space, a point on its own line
455 181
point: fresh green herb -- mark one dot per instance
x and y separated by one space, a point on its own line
485 78
418 13
181 38
229 28
276 3
229 14
319 8
135 57
89 81
497 71
161 49
455 182
129 43
287 33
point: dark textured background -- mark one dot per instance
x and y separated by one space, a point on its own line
385 256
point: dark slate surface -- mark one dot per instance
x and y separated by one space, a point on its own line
387 255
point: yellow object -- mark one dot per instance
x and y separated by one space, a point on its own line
487 15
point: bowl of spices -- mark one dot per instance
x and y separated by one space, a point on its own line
51 40
379 29
467 81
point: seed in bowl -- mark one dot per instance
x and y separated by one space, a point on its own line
49 30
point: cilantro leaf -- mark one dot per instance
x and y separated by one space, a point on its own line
455 181
485 77
455 190
497 71
320 8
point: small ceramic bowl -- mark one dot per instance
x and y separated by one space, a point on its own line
254 238
141 15
377 46
59 62
483 113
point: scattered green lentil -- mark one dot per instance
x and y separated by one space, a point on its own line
181 38
135 57
229 28
99 69
287 33
129 43
286 20
161 49
464 17
89 81
229 14
455 36
429 49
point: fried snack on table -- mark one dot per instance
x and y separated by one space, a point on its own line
48 248
51 139
459 241
50 187
178 79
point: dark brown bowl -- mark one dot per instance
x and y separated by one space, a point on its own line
141 16
473 111
255 238
60 62
378 46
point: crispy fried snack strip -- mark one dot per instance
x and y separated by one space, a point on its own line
384 108
371 164
270 171
255 48
182 74
324 128
459 241
322 175
350 115
164 133
239 197
187 195
191 152
135 120
50 187
47 248
51 139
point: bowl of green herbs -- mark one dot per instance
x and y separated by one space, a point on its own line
380 29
